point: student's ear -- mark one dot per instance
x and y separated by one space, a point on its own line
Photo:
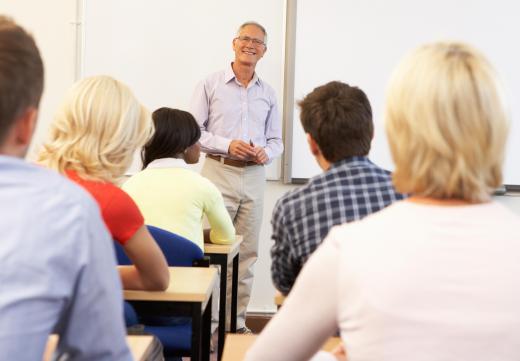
313 146
24 127
316 152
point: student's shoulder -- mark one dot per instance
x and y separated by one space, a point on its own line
377 225
371 169
105 192
299 195
62 188
53 194
118 198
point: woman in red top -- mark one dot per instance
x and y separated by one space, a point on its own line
92 141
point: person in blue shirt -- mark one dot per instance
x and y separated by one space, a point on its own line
58 272
241 131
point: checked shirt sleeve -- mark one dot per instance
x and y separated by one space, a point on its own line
283 270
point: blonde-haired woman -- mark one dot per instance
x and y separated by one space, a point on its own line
92 141
434 277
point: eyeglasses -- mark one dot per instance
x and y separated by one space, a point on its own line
247 39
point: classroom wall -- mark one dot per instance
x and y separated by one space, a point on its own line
55 33
60 65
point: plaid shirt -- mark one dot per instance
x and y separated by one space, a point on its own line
351 189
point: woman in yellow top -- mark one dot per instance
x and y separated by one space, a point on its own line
168 193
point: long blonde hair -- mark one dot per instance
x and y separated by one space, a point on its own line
446 123
97 130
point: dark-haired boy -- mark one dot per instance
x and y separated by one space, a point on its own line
337 119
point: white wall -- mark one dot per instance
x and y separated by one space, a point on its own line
55 34
263 289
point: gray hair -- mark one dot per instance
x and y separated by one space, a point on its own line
254 23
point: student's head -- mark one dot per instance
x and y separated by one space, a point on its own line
338 119
97 130
21 86
176 135
446 123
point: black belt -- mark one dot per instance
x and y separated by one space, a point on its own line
231 162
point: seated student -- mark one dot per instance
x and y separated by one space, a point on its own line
57 272
338 121
436 276
92 141
170 195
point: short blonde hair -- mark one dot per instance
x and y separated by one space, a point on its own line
97 130
446 123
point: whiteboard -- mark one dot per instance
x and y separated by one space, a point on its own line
361 41
163 48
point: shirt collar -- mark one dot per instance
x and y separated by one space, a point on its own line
167 163
351 161
230 75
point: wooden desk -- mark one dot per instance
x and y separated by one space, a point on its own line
237 346
222 255
140 347
189 294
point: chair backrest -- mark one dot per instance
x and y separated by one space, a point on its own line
179 251
129 314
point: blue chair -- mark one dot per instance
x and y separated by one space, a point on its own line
179 252
131 318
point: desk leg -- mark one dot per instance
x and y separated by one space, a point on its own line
196 331
206 330
222 261
234 295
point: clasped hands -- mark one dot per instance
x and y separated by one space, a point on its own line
248 152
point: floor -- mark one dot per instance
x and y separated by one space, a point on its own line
256 322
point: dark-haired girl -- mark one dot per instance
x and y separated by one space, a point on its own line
170 195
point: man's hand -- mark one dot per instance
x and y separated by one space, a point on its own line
260 155
241 150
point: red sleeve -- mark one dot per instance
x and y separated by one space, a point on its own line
122 216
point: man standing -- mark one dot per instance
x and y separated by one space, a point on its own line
337 119
241 131
58 272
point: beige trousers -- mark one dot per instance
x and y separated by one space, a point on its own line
243 192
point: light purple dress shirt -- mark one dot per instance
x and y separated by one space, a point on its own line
58 270
226 110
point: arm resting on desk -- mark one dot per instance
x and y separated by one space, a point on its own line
150 270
